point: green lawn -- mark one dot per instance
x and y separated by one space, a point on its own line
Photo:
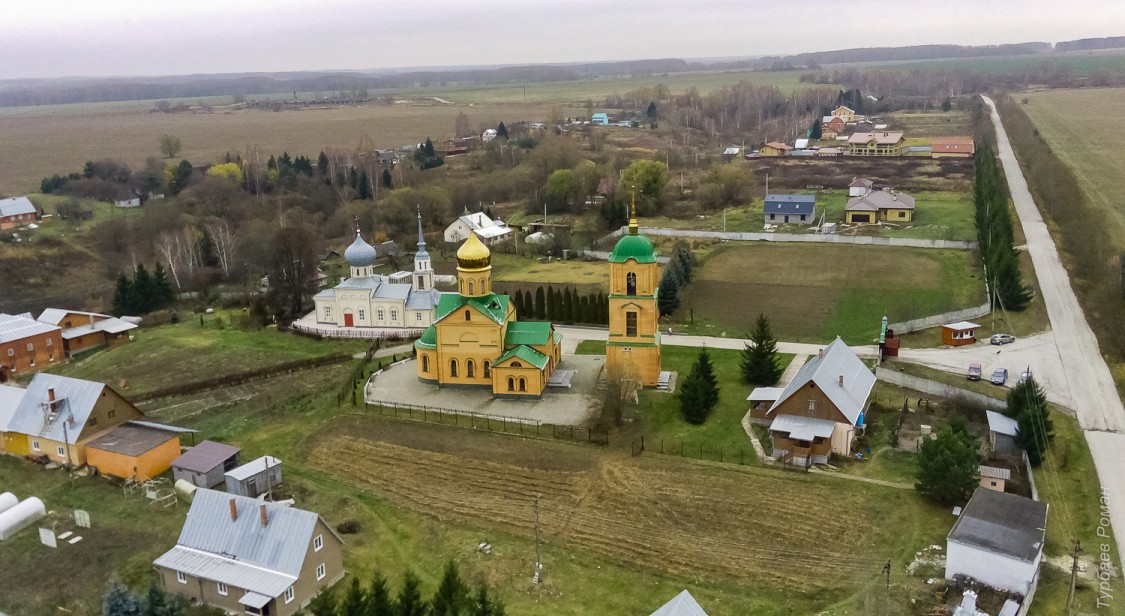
187 352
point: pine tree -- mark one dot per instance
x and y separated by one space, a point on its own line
322 164
501 131
540 304
123 300
409 601
162 287
353 603
946 104
451 597
428 148
1028 405
144 293
759 357
364 189
700 391
947 465
118 601
668 294
379 601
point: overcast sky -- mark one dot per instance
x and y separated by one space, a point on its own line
55 38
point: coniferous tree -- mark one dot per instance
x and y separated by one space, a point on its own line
144 292
1028 405
668 294
947 465
946 104
123 298
379 601
161 286
517 301
700 391
540 304
409 601
815 131
501 131
364 188
322 164
451 597
118 601
650 113
325 603
354 601
159 603
759 357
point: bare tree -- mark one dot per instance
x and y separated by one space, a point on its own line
170 145
166 246
461 126
225 242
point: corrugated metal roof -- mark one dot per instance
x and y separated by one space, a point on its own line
993 472
682 604
765 394
9 399
1003 524
15 327
205 456
961 325
255 600
15 206
253 467
803 428
790 204
74 397
423 300
836 361
1002 424
229 571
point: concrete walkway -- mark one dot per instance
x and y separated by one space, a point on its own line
1095 398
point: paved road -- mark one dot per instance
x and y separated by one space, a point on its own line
1095 399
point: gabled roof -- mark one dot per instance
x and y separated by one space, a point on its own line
881 138
952 145
15 206
525 353
9 399
861 183
825 370
528 332
1002 523
1002 424
777 145
15 327
682 604
205 456
253 467
53 316
803 428
881 200
494 306
74 397
790 204
732 151
241 552
423 300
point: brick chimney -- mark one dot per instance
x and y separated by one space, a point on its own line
233 511
265 516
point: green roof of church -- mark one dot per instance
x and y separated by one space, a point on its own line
528 332
493 305
633 246
526 353
428 339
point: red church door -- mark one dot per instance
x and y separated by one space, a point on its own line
347 319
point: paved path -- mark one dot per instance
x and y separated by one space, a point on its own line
1094 396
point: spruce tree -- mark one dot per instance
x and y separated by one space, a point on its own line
759 357
815 131
540 304
947 465
123 301
144 292
322 164
1027 403
700 391
501 131
409 601
162 287
946 104
668 294
379 601
364 188
118 601
517 301
353 603
451 597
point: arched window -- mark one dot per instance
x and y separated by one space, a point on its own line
461 283
453 367
523 384
425 363
516 364
469 365
631 283
487 369
482 287
467 315
471 287
511 384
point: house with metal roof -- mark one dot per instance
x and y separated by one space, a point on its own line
886 205
87 330
860 187
998 541
249 556
26 345
490 231
16 212
206 464
1002 431
818 412
599 119
790 209
254 478
682 604
775 148
994 477
9 399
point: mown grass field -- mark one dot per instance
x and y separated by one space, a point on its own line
813 292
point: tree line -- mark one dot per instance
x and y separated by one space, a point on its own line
453 597
563 305
143 292
995 234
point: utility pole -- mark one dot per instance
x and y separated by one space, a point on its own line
887 571
538 577
1073 572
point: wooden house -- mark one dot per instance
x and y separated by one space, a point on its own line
254 478
775 148
206 464
960 333
817 413
16 212
87 330
881 143
246 556
27 345
998 541
133 451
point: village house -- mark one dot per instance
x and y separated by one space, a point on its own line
248 556
87 330
206 464
599 119
880 143
26 345
1002 431
387 158
860 187
682 604
790 209
775 148
137 450
886 205
847 114
952 147
489 231
16 212
817 413
9 400
998 541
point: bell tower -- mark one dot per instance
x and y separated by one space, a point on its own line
633 348
423 270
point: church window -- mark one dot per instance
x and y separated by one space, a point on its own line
462 283
363 315
453 367
487 369
631 283
394 315
516 364
422 283
327 312
468 315
482 288
471 292
511 384
378 314
417 316
523 384
630 324
425 363
469 369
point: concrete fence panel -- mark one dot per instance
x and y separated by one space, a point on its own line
935 388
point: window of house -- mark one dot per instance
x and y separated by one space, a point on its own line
379 314
453 367
630 324
417 316
35 445
516 364
320 571
222 588
802 217
318 543
327 312
50 342
902 214
59 450
289 594
523 384
469 366
93 421
487 369
394 315
511 384
631 284
11 351
812 405
425 363
363 315
181 578
112 413
30 347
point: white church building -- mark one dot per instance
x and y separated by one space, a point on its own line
370 305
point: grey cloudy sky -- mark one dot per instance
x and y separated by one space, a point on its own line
53 38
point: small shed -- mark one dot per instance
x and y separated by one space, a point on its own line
998 541
960 333
254 478
1002 432
132 451
206 464
993 478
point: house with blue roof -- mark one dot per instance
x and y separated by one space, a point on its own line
600 119
790 209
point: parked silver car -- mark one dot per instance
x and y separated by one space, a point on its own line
1001 339
999 376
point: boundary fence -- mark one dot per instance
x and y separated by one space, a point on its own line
497 424
756 236
935 388
241 377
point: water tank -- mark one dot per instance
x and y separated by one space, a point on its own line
22 515
7 501
185 489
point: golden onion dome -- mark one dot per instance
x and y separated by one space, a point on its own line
473 254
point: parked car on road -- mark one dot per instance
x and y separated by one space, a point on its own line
974 372
1001 339
999 376
1026 374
